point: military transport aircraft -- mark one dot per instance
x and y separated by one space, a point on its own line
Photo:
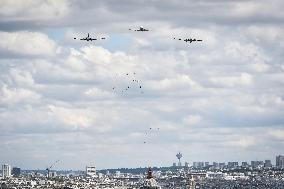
140 29
190 40
88 38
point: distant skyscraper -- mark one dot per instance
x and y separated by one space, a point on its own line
245 164
280 161
174 164
6 171
257 164
198 164
186 164
233 164
215 165
267 163
222 165
52 174
206 164
16 171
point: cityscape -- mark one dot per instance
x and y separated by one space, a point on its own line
255 174
142 94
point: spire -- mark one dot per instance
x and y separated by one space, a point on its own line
149 174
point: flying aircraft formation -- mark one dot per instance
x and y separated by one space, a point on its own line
190 40
141 29
88 38
132 84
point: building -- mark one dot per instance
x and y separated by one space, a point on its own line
280 161
206 164
91 171
222 165
267 163
174 164
233 165
215 164
52 174
186 164
6 171
150 182
117 174
257 164
16 171
198 164
245 164
215 175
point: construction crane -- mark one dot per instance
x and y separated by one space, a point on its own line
48 169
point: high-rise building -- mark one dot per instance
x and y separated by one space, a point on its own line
198 164
245 164
6 171
222 165
16 171
233 165
257 164
174 164
91 171
280 161
206 164
52 174
267 163
215 164
186 164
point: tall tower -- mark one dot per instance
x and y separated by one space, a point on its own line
179 156
6 171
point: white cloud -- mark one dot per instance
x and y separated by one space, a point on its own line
12 96
27 43
244 79
75 118
33 10
97 93
277 134
244 142
192 120
177 83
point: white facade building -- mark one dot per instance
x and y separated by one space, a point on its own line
91 171
6 171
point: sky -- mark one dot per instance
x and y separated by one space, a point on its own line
221 99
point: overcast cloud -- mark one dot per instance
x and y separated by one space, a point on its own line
219 100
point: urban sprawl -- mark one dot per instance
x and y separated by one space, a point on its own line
243 175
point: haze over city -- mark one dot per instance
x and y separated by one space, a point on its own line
65 99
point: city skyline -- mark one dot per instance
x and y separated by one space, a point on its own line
137 98
91 169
